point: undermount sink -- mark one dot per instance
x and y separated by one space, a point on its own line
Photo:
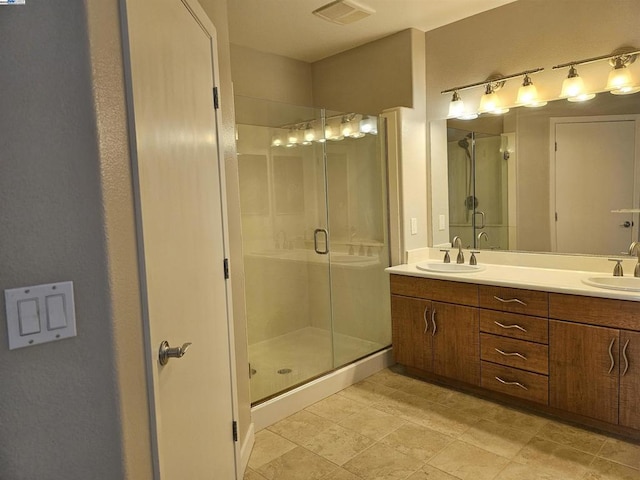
448 267
627 284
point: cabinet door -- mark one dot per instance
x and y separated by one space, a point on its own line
456 342
583 369
630 379
411 330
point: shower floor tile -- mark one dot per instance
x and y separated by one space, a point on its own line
293 358
391 439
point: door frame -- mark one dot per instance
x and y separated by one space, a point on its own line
151 351
552 165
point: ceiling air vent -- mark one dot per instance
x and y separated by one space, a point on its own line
343 12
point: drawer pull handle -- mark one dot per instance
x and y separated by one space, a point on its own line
426 321
510 354
510 326
510 300
517 384
613 363
433 320
626 360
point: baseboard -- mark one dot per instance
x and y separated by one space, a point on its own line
276 409
245 450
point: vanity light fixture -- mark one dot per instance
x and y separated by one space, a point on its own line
276 139
573 87
369 125
528 94
619 82
490 101
456 107
309 134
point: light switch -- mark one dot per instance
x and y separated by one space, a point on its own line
56 315
29 317
414 226
40 314
441 222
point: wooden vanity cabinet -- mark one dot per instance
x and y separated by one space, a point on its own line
412 341
566 353
594 358
436 327
583 369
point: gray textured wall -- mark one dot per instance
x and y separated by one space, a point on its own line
58 401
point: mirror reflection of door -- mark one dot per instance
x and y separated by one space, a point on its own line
595 175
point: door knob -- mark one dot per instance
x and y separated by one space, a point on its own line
627 224
166 352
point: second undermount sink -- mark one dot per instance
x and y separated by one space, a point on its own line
627 284
448 267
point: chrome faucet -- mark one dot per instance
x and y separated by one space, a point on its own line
457 242
480 236
634 249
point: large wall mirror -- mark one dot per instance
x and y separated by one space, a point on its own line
562 178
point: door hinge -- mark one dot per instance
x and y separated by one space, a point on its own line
234 428
556 216
216 101
226 268
556 146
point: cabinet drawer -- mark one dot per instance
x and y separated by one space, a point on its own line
605 312
515 300
531 329
439 290
533 357
517 383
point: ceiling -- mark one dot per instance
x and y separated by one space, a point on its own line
288 28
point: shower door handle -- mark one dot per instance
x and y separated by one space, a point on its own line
326 241
481 213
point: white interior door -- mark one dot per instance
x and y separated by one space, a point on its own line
180 211
595 172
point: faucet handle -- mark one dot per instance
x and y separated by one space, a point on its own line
447 258
617 270
473 260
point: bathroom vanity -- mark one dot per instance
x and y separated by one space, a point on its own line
538 338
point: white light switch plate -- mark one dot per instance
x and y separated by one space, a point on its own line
414 226
441 223
40 314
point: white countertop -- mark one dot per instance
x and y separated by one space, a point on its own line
531 278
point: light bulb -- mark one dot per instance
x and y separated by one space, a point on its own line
345 127
309 135
369 125
456 106
490 102
620 77
573 87
528 94
276 140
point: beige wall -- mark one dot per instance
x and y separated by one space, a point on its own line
367 79
519 36
77 408
270 77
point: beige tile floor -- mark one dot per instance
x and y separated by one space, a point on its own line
392 427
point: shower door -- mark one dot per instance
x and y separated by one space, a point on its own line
478 189
314 241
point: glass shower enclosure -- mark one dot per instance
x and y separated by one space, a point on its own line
478 172
315 237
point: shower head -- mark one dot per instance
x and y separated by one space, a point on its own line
464 143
